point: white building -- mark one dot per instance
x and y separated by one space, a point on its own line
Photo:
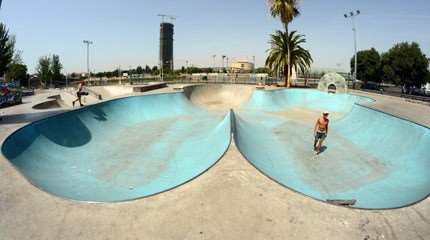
242 66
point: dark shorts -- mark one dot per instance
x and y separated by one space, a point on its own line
80 94
320 136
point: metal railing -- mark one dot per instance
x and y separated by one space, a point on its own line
227 79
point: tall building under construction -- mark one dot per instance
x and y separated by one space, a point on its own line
166 47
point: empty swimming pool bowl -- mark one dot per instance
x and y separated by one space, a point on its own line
376 159
139 146
120 150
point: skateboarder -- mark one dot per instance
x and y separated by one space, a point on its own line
320 131
79 94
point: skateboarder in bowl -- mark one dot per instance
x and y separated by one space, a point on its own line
320 131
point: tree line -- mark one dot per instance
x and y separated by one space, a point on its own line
11 64
49 71
118 72
154 71
403 65
14 69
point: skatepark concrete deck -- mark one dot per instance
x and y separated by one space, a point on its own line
230 201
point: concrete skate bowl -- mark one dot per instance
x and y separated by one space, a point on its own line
108 92
120 150
219 97
50 104
370 159
139 146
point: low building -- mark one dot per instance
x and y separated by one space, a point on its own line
242 66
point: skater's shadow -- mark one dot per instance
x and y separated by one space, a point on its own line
323 149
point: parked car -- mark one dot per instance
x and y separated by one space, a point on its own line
427 89
371 86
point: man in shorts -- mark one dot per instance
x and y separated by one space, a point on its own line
320 132
79 94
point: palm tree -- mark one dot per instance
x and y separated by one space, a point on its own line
286 10
287 54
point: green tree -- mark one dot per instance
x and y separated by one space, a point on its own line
56 68
43 70
262 70
405 64
155 71
368 65
17 57
286 10
148 69
388 75
17 70
139 70
17 73
287 54
428 77
7 44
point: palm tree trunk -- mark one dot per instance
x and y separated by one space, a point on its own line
288 72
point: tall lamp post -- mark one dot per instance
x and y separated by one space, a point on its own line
88 43
214 62
352 15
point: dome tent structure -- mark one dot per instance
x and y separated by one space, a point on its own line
333 83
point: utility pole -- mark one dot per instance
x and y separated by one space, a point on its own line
214 62
253 62
88 43
352 15
119 75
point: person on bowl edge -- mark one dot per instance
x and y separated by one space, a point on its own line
79 94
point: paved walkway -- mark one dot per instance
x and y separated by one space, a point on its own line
231 201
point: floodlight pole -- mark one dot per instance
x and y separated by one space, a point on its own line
88 43
352 15
253 62
214 62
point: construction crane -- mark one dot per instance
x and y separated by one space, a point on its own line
164 16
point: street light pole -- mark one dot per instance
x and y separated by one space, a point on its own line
214 62
352 15
88 43
253 62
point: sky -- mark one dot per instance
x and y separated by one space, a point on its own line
126 33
